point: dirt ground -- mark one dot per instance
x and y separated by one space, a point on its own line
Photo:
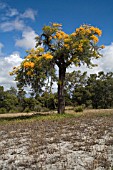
83 143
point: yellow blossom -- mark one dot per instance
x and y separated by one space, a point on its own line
57 25
102 46
32 64
26 64
47 56
81 30
94 38
74 34
29 73
40 49
67 40
61 35
28 57
66 45
96 30
29 64
80 47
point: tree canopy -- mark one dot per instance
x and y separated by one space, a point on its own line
54 48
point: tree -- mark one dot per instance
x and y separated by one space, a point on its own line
101 89
56 48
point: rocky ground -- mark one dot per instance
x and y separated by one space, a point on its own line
83 143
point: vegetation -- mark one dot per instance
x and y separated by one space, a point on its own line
94 91
55 48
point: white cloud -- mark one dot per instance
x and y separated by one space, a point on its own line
1 46
28 40
3 5
29 13
6 65
12 25
105 63
11 19
12 12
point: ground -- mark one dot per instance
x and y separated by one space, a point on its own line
81 142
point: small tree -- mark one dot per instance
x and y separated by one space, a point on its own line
56 48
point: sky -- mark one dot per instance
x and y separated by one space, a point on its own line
22 20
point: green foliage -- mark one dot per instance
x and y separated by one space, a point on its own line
27 110
38 108
79 109
3 110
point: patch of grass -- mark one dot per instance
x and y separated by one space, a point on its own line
36 117
54 116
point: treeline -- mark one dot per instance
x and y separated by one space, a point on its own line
94 91
12 101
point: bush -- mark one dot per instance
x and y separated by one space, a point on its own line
14 110
3 110
45 109
79 109
27 110
38 108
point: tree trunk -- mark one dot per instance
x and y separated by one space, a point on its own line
61 97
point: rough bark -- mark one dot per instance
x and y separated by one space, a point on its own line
61 96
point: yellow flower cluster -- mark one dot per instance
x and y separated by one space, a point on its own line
67 46
94 38
74 34
29 73
39 49
29 64
61 35
80 30
87 30
47 56
28 57
67 40
80 48
102 46
96 30
57 25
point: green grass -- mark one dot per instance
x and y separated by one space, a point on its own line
54 116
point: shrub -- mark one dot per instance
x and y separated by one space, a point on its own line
79 109
3 110
38 108
27 110
45 109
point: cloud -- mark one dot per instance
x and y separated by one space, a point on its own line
6 65
12 19
16 24
12 12
105 63
1 46
28 40
3 5
29 13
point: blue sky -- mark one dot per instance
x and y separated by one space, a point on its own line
71 13
22 20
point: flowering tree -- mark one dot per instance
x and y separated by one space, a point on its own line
56 48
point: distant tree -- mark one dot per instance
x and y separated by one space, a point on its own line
54 48
1 96
101 88
12 91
